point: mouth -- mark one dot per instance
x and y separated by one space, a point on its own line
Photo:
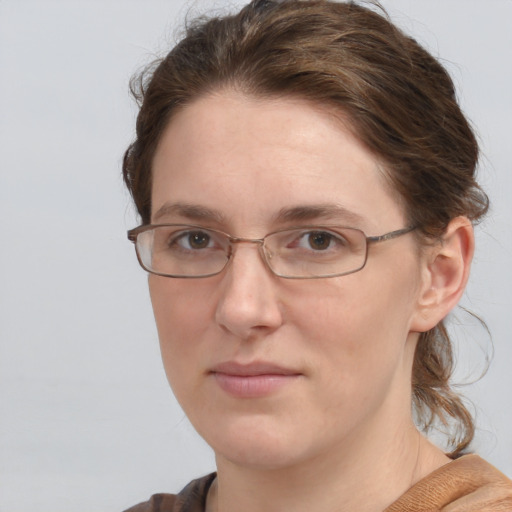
252 380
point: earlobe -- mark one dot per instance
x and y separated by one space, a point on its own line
445 274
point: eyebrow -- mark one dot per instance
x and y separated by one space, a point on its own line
321 211
188 211
303 213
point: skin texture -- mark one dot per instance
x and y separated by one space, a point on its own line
347 343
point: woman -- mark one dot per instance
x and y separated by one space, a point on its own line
306 184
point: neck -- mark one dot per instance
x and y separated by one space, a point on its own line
366 477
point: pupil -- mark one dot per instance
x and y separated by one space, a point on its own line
319 240
198 240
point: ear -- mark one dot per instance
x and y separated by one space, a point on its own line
445 273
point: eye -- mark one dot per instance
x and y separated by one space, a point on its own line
320 241
193 240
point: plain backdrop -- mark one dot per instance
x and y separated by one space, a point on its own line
87 421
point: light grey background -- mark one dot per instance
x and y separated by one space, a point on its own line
87 421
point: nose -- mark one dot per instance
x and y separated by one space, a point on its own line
248 305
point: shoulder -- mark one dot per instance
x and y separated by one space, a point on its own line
157 503
467 484
191 499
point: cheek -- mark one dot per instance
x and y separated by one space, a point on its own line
358 324
182 313
354 306
356 342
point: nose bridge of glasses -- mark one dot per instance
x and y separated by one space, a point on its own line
241 240
260 242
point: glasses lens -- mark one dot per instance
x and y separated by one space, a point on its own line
316 252
182 251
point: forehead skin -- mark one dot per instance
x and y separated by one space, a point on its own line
280 153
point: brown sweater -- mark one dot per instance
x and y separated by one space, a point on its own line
468 484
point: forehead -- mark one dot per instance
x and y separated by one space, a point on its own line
249 158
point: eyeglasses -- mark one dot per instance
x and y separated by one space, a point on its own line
307 252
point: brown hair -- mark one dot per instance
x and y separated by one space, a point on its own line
400 102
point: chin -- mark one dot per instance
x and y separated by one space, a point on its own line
256 443
259 456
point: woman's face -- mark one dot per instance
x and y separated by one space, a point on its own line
274 371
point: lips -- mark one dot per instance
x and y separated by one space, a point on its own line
252 380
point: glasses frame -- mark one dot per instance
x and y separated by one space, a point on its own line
132 235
